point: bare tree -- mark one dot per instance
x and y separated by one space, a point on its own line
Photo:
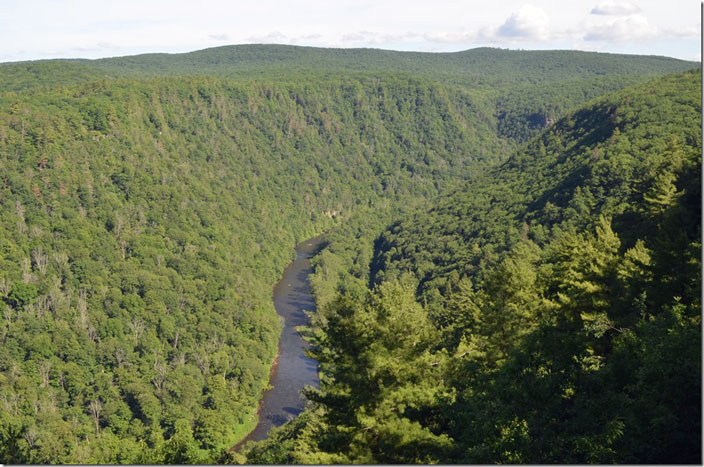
160 377
40 260
137 326
123 248
22 223
55 295
82 307
42 306
92 333
44 372
50 404
7 313
9 402
178 360
31 437
62 380
202 361
96 408
119 225
68 297
27 275
20 210
4 286
61 260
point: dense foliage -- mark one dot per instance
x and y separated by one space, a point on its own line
527 89
548 312
144 224
149 203
478 67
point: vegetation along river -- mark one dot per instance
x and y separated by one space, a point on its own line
293 369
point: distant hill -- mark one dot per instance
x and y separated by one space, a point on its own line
528 89
474 66
481 66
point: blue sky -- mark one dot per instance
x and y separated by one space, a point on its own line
40 29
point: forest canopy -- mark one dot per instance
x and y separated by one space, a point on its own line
547 312
149 203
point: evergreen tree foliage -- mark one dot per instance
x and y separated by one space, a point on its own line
551 310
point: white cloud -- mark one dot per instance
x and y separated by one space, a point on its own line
275 37
623 29
614 8
219 37
352 37
450 37
377 38
684 32
529 22
86 28
310 37
278 37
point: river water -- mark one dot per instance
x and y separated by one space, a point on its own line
292 370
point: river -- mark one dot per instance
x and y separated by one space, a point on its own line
293 369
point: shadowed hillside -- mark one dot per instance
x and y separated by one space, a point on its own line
547 312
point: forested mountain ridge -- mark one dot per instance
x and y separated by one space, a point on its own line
529 89
144 223
475 66
481 66
547 313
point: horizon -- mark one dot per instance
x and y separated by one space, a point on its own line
44 30
339 48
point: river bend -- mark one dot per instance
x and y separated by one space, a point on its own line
293 369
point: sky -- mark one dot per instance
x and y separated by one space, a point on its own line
42 29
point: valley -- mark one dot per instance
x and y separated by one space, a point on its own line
511 260
293 369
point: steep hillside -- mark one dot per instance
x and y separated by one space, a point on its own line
597 161
145 223
549 312
529 89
